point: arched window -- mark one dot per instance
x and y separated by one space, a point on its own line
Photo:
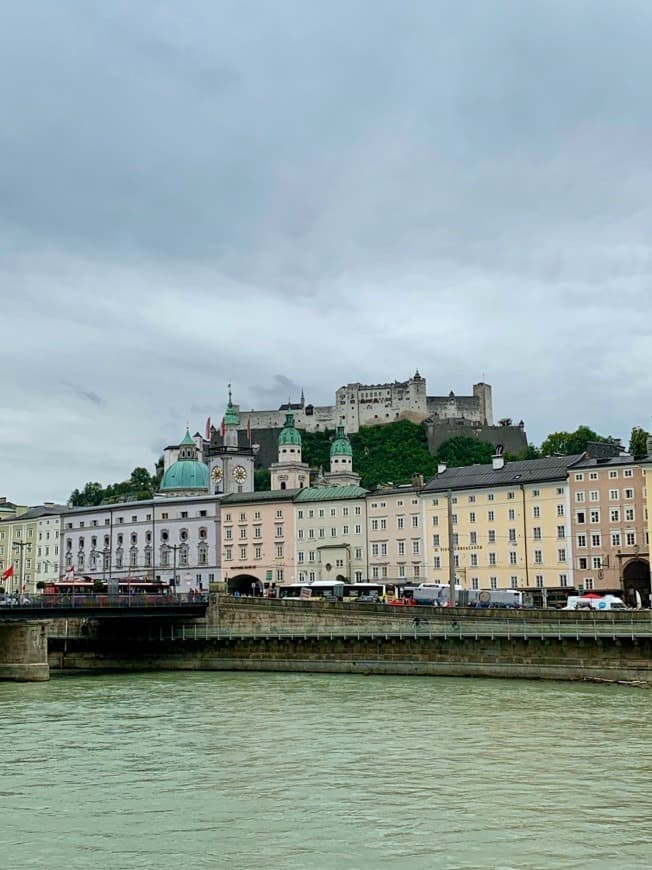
203 554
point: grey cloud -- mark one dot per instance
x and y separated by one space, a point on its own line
219 191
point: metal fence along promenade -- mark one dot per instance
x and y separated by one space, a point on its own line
466 628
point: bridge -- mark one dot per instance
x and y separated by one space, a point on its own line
24 621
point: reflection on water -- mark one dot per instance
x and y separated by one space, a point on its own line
322 771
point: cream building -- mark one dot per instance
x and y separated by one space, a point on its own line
609 520
30 542
331 534
395 534
510 525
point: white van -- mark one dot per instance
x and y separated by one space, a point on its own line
605 602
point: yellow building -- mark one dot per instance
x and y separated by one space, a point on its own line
510 525
30 542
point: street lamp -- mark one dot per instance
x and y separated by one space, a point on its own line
174 549
20 545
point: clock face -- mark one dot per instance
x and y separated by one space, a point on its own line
216 474
239 474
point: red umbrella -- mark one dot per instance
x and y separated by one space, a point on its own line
591 595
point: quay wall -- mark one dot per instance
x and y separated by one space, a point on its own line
390 651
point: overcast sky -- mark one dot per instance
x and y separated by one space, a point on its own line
304 194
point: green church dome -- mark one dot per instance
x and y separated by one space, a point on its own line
185 474
289 435
341 446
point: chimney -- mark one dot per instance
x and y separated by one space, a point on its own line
441 468
498 460
417 479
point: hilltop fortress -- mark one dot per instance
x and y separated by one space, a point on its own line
358 405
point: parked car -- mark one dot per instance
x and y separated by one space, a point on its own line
403 602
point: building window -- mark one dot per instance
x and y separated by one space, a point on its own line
436 562
588 583
630 539
536 511
473 538
279 551
400 547
581 540
512 536
613 474
513 557
561 555
400 522
513 582
615 539
258 551
243 553
490 516
579 476
595 540
538 557
596 562
629 493
563 580
492 558
493 582
594 516
357 553
492 536
613 494
474 560
560 510
629 515
536 533
628 472
539 581
472 516
561 532
582 563
415 548
614 515
579 496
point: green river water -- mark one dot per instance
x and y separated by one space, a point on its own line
236 770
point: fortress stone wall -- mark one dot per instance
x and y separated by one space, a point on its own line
358 405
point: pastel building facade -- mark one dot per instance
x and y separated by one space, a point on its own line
511 525
257 542
395 534
610 526
30 542
331 534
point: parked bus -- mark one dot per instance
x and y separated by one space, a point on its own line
338 591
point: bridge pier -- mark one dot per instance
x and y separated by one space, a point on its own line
24 651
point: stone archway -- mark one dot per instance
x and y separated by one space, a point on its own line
244 584
636 578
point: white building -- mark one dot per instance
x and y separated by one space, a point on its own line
163 539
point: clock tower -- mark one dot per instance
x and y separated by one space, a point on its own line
231 467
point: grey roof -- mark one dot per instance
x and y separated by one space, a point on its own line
41 510
623 459
261 495
511 474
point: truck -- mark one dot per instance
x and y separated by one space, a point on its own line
603 602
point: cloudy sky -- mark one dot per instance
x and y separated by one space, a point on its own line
303 194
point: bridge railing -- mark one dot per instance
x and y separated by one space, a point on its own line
99 600
463 629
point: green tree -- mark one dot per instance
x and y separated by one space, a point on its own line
638 442
262 479
464 450
567 443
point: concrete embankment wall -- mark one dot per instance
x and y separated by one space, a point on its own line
623 659
24 651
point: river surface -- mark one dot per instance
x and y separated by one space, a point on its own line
236 770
